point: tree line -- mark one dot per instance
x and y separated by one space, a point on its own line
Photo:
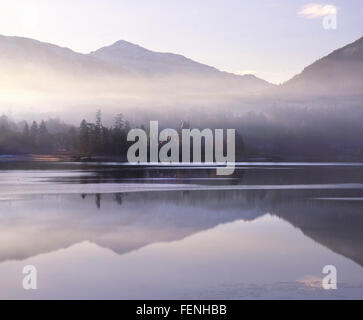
53 136
86 140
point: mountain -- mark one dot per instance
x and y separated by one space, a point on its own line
37 61
23 55
339 73
137 59
141 61
40 77
44 80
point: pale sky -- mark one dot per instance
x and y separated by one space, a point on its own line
272 39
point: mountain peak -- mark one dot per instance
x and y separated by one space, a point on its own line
140 60
123 44
120 48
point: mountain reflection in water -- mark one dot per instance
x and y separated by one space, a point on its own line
35 224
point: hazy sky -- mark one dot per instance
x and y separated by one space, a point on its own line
273 39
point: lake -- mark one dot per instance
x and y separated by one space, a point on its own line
110 231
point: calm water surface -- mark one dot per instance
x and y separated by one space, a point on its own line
109 231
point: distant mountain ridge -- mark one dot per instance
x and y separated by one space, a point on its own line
24 56
339 73
126 76
27 54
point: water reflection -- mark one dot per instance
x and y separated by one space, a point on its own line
127 221
256 224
